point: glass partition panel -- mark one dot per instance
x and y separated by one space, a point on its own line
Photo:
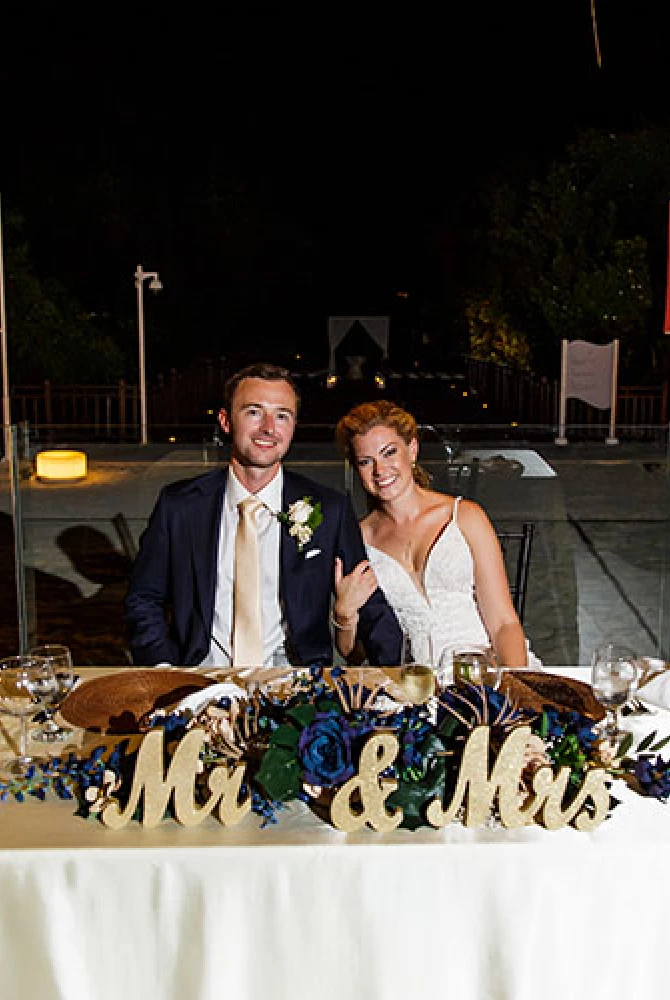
599 559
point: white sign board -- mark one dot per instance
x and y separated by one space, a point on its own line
589 373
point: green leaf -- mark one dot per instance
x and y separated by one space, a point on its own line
659 746
279 774
316 517
414 796
625 745
448 728
330 705
303 714
285 736
647 741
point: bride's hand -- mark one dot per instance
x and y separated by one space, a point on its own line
353 590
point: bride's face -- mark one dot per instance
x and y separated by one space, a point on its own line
384 462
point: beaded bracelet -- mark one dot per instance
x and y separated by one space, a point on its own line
344 628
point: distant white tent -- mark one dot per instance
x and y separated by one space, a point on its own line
339 326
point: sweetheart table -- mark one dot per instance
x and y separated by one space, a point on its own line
301 910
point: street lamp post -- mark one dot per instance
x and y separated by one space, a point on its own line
155 285
6 403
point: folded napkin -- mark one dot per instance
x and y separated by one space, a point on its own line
656 689
200 699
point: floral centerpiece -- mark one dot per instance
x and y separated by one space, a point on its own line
304 739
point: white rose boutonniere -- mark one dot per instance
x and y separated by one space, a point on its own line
302 519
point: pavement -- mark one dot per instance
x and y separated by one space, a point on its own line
600 563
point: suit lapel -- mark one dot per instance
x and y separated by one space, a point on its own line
289 556
204 529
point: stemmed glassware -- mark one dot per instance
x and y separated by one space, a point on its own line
417 677
473 664
60 659
26 683
614 677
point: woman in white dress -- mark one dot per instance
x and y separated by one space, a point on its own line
436 557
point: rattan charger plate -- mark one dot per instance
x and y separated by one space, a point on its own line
116 703
534 689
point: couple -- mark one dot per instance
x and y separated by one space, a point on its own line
431 560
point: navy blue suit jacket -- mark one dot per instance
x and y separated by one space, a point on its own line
170 600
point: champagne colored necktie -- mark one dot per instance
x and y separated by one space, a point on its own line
247 624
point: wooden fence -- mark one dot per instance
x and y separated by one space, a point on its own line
81 411
530 399
181 405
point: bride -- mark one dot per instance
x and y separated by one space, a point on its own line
436 557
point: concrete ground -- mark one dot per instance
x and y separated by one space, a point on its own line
600 564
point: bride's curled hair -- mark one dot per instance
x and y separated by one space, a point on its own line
380 413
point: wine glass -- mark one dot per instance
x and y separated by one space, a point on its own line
614 675
475 664
417 677
26 683
60 659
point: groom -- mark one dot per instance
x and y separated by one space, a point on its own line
179 604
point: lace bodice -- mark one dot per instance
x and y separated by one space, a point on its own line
447 610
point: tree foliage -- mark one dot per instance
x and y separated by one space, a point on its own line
48 334
580 254
492 337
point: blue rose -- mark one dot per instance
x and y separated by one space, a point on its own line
654 778
324 751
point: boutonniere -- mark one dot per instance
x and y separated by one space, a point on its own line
302 519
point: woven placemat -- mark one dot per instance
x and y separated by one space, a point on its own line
115 703
535 689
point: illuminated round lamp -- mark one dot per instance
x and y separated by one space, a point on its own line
60 465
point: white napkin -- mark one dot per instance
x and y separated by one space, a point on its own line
656 691
199 699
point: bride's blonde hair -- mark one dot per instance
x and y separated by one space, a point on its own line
381 413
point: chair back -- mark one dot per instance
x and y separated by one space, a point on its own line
516 547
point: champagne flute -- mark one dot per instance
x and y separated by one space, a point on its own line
614 675
60 659
26 682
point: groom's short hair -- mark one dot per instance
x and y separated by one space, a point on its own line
271 373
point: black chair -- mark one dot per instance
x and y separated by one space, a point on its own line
520 541
125 536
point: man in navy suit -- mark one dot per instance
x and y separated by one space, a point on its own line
179 602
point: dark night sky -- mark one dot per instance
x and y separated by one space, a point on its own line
359 130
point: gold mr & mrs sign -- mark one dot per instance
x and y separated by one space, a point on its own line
362 800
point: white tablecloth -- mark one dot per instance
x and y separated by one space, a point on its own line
303 911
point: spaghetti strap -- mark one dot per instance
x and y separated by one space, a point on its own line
454 513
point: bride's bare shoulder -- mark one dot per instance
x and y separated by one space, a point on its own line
473 519
437 500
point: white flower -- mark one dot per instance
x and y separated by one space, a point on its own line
300 512
302 532
301 519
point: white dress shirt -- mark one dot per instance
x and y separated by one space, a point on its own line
269 533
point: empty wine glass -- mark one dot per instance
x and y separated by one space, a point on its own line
60 659
417 648
26 683
614 675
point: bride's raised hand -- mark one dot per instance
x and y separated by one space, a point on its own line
352 590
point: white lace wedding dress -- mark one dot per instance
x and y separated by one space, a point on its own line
446 612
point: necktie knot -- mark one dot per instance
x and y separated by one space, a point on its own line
249 508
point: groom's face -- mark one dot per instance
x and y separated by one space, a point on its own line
261 422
